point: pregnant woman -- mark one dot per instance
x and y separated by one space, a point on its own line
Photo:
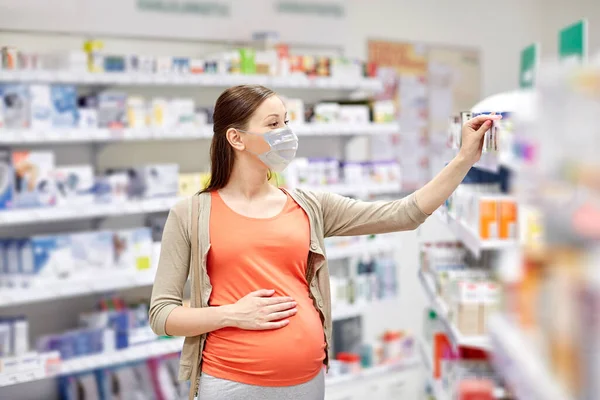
259 325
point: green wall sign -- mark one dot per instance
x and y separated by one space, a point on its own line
530 56
331 10
573 43
196 7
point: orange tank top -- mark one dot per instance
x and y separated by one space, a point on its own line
249 254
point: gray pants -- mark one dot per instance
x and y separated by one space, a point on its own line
212 388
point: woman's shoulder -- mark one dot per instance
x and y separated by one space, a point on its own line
183 207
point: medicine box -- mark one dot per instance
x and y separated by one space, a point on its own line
112 110
64 106
16 104
6 179
33 178
133 248
46 258
74 185
161 180
41 107
189 184
466 313
93 250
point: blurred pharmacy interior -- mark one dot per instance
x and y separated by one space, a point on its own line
106 122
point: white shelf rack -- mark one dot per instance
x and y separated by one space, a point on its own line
202 80
89 211
358 309
479 342
363 189
82 286
140 352
370 373
339 252
23 216
61 136
470 238
519 366
113 280
436 386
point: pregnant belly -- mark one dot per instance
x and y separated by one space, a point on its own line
281 357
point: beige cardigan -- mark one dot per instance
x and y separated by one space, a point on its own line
329 215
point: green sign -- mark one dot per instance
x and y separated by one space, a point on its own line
530 56
573 42
206 8
332 10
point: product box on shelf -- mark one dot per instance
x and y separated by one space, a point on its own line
354 114
88 112
33 183
16 106
133 248
6 179
46 258
112 110
295 110
189 184
64 106
42 107
93 250
136 112
111 188
326 112
384 111
467 307
183 113
161 180
74 185
160 113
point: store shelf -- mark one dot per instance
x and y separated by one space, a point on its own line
357 189
356 310
89 211
373 372
469 237
518 365
438 391
479 342
205 80
362 247
131 354
83 286
113 280
59 136
140 352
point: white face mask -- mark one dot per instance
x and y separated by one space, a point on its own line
283 143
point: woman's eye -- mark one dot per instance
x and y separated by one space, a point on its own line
274 124
287 121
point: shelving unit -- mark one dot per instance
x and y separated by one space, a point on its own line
369 373
202 80
469 237
524 372
97 282
60 136
146 206
480 342
140 352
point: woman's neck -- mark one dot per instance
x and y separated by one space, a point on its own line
247 181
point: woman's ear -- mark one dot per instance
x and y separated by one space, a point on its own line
234 137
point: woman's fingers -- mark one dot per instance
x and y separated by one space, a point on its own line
281 315
276 300
280 307
273 325
479 120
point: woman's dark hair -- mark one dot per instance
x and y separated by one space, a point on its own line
233 109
